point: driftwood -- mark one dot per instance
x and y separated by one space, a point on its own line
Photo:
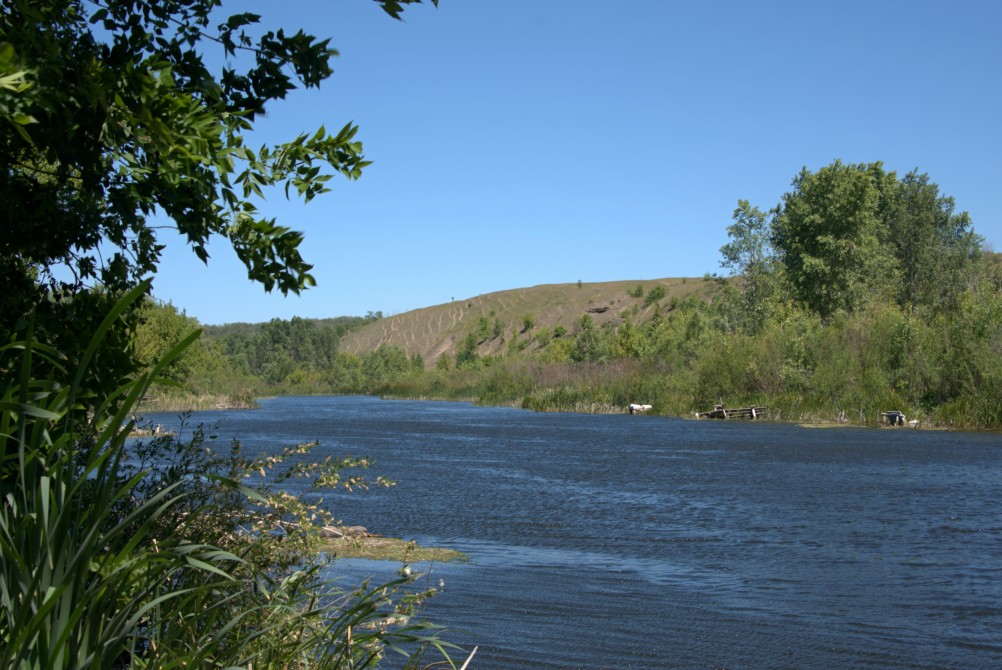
721 412
334 532
345 531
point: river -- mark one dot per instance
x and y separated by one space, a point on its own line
618 541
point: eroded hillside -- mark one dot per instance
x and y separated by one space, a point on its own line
498 318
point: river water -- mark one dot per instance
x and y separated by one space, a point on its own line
600 541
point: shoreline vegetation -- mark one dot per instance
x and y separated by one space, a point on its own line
194 403
941 367
899 309
826 420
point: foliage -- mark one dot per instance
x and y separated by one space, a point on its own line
829 237
285 356
467 356
752 342
749 255
851 234
934 247
385 363
164 559
589 345
850 366
656 294
161 327
146 125
117 125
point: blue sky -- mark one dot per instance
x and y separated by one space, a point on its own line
525 142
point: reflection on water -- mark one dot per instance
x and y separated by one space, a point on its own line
646 542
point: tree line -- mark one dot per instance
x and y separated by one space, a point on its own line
860 292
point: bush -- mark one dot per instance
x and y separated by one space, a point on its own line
655 295
162 557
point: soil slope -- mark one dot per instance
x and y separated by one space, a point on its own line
442 329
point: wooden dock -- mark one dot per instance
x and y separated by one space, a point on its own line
721 412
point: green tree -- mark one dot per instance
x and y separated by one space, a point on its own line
161 327
467 356
111 114
387 363
655 295
830 237
589 343
936 249
749 255
443 363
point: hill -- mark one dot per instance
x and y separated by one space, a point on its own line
244 329
498 318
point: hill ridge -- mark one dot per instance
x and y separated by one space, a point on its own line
437 330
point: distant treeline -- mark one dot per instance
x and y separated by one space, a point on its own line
861 292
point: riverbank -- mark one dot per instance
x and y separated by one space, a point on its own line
576 404
193 403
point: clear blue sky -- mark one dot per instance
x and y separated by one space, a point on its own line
525 142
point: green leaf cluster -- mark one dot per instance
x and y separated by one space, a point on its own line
115 119
848 235
164 554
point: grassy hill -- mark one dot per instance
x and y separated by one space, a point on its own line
442 329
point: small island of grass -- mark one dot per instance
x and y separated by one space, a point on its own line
358 542
389 549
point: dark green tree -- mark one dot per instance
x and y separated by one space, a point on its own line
849 234
831 238
467 356
111 114
161 327
936 249
655 295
